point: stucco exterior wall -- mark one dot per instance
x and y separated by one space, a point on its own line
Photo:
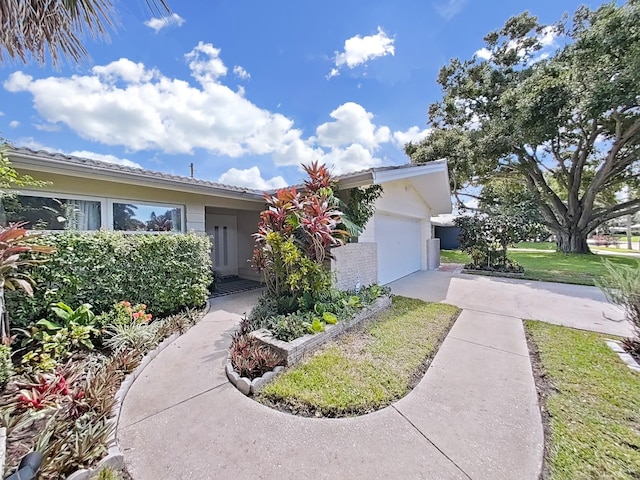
353 263
400 197
194 204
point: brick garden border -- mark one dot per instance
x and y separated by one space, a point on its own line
294 351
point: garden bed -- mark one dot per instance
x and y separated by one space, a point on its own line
369 367
297 349
78 404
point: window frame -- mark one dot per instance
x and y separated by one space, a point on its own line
65 196
110 201
106 209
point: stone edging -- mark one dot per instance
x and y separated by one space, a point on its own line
295 350
245 385
624 356
3 450
115 458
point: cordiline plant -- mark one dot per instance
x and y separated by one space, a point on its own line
295 235
14 244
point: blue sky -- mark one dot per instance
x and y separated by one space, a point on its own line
249 90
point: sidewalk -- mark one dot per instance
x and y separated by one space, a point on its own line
474 415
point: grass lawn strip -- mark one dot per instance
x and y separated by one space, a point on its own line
367 368
552 266
592 404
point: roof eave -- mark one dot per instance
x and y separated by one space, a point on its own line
52 164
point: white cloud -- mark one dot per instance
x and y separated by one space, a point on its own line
159 23
359 50
414 134
450 8
146 110
352 125
14 123
547 38
47 127
205 63
125 70
251 178
353 158
484 53
34 145
140 109
241 73
105 158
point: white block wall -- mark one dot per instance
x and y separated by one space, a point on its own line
355 262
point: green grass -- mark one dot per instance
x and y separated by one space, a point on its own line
454 256
593 402
366 369
536 245
553 266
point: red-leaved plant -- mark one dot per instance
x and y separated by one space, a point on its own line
295 236
15 241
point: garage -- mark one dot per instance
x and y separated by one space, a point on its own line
399 246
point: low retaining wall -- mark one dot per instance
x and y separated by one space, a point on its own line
295 350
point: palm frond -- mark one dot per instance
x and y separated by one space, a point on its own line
54 28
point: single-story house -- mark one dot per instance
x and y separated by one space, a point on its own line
88 194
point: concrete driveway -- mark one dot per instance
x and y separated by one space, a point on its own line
576 306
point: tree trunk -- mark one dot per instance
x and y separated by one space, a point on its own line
572 242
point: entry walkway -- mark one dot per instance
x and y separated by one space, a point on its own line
473 416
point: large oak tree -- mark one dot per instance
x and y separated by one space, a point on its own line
562 119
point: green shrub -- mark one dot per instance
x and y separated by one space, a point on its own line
6 367
166 272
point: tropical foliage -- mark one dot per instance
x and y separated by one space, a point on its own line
15 243
295 235
565 123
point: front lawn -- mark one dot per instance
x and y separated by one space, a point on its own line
536 245
367 368
593 403
553 266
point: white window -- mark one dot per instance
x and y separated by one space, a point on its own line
145 217
50 211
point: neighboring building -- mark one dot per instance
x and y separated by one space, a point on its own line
447 231
90 195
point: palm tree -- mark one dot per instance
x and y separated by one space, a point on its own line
38 27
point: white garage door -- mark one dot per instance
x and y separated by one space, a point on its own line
399 252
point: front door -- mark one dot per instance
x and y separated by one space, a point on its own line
224 229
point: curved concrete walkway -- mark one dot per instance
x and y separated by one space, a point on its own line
474 415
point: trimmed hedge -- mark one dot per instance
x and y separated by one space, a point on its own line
165 272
